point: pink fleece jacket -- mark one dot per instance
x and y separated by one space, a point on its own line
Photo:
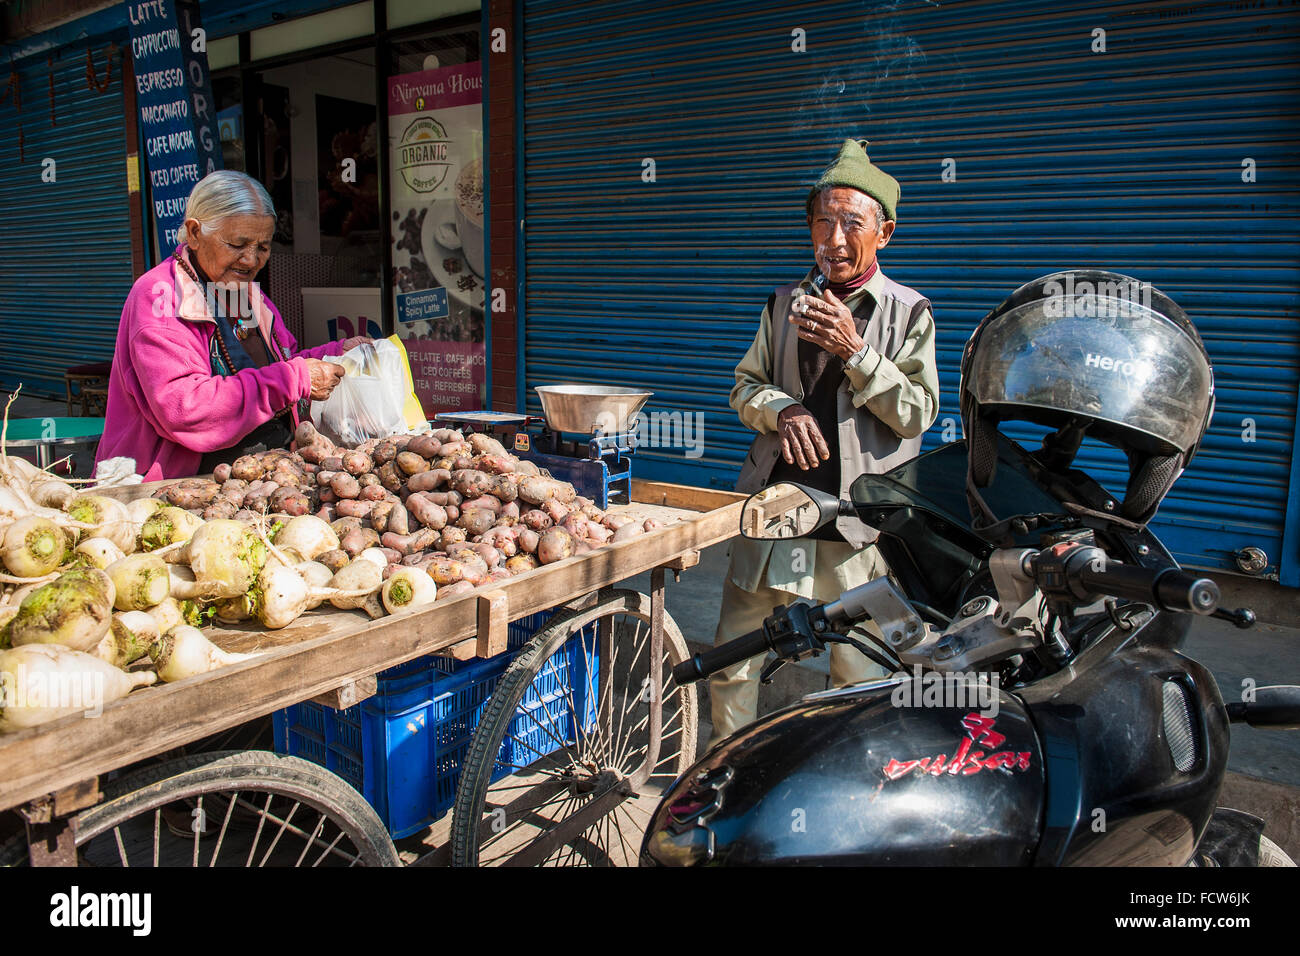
165 406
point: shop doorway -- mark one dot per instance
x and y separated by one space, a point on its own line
315 149
373 155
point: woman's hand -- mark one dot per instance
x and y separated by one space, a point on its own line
356 340
324 376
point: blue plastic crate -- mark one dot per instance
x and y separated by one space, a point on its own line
404 748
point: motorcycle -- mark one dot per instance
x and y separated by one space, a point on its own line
1041 711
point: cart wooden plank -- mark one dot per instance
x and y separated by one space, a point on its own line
325 651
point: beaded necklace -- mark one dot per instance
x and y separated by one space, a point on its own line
243 327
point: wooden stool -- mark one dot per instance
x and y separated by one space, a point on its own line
92 392
94 401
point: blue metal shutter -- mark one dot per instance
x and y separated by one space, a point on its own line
1129 159
65 246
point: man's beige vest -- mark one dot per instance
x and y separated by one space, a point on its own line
867 445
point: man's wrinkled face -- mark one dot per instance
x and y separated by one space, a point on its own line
844 233
236 250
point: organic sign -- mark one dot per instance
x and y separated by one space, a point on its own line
177 111
435 136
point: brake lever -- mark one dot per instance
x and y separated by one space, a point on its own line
769 671
793 634
1242 617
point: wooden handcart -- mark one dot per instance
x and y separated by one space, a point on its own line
576 789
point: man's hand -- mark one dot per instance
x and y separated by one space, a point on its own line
827 323
801 440
324 376
356 340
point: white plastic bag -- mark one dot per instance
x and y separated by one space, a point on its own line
115 472
368 400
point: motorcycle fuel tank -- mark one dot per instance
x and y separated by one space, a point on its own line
878 774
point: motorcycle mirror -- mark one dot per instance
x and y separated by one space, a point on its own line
787 510
1276 707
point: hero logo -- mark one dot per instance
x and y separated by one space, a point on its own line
967 760
1120 366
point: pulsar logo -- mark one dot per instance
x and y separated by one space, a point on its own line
966 761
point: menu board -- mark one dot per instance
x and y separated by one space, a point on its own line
436 169
177 111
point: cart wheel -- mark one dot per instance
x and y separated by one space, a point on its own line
241 808
577 742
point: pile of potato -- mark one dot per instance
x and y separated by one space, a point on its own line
461 508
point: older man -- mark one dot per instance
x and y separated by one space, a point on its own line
835 385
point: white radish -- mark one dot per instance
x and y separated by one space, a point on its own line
33 547
140 509
129 638
183 586
225 556
283 594
317 577
167 614
43 682
308 535
25 470
53 493
407 589
106 518
235 610
168 526
373 555
20 593
74 610
185 652
141 581
366 576
100 551
374 604
12 509
285 557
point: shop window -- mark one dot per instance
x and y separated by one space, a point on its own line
319 158
277 157
230 122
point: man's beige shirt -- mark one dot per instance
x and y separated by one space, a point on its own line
902 392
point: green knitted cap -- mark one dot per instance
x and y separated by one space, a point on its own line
854 169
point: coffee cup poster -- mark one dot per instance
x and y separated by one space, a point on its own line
436 147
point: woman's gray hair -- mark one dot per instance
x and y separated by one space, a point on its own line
224 193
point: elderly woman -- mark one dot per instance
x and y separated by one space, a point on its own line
204 369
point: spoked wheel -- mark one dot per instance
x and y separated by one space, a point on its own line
578 741
247 808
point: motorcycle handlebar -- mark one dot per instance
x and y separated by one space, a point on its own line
1168 588
700 666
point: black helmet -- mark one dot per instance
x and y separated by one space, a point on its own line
1094 353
